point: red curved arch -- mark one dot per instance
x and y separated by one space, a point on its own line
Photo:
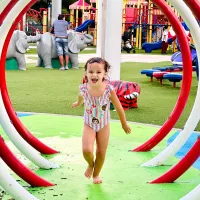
186 83
194 5
20 169
7 9
33 141
194 153
182 166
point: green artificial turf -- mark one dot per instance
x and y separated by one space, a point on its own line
93 50
53 91
123 178
34 51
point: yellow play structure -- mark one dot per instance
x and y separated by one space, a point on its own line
141 16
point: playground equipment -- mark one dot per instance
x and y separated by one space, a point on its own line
188 128
192 121
177 56
8 114
182 97
15 58
47 49
17 48
148 47
88 12
36 21
172 77
144 18
149 72
127 92
84 26
161 73
89 17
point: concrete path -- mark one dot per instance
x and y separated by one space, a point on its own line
143 58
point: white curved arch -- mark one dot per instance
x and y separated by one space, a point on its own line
9 129
10 185
193 195
3 4
194 115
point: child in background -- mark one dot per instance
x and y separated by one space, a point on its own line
96 94
164 40
127 46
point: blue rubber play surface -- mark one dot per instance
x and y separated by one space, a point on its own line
186 147
23 114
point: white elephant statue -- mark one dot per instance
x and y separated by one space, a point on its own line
18 46
46 48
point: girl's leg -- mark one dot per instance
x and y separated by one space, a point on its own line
88 138
102 143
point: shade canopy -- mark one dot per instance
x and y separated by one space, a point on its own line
80 4
135 2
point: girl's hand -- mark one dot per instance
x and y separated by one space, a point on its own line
75 104
126 128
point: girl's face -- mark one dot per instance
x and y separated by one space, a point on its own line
95 73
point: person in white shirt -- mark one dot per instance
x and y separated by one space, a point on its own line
164 40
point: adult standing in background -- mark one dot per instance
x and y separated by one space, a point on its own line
164 40
60 27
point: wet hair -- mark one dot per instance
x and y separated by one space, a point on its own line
60 17
100 61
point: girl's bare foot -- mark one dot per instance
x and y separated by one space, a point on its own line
97 180
89 171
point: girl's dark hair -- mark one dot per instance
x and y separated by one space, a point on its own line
100 61
97 60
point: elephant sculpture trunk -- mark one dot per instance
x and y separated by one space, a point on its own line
33 39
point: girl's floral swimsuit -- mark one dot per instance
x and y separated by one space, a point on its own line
97 109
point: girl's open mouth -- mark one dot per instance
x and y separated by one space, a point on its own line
94 80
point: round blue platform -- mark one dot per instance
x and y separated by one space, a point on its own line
173 77
149 72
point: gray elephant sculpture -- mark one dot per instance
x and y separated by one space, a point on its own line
18 46
47 49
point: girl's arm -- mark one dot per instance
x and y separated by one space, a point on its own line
120 111
79 102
